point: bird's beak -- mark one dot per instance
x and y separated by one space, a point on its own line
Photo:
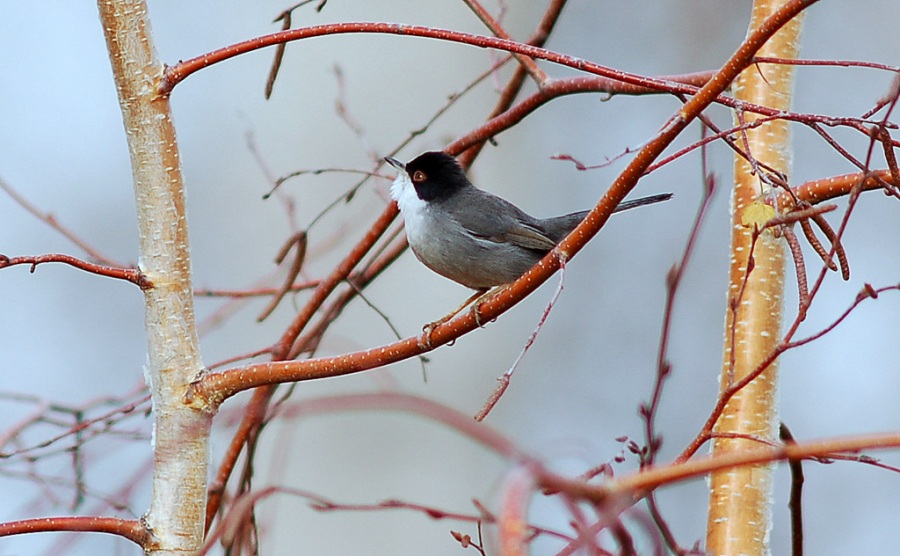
395 163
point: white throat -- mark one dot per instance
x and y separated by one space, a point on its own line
413 209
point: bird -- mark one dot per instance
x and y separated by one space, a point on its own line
468 235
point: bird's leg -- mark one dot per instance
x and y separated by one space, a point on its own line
425 339
477 301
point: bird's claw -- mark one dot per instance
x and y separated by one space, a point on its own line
424 340
476 312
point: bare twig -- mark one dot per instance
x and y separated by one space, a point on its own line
132 275
507 376
298 243
796 501
51 221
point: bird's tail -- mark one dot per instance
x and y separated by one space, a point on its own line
649 200
558 227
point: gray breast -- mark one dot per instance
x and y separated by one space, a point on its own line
478 262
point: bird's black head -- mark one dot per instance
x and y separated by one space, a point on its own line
436 175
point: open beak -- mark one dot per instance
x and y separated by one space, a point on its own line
395 163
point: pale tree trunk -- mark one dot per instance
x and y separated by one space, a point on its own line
181 433
739 507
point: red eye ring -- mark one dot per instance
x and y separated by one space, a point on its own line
418 175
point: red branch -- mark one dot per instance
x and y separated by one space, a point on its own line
620 82
132 275
816 191
177 73
130 529
214 388
256 410
625 485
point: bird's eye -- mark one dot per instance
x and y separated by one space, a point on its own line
418 176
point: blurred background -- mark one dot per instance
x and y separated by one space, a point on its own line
68 337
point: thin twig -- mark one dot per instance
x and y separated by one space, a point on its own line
507 376
51 221
796 501
133 275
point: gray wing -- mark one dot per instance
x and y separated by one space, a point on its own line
499 221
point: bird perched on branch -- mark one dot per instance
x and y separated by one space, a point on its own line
471 236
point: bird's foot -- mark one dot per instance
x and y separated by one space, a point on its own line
481 295
477 301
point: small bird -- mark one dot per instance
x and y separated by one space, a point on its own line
468 235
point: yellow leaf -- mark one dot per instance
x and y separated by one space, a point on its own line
757 214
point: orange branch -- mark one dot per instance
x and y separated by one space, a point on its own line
215 388
130 529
